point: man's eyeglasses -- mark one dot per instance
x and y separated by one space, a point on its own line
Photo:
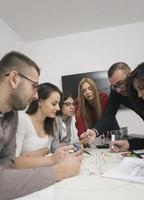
120 85
69 104
34 83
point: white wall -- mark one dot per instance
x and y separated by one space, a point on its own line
83 52
9 40
131 120
91 51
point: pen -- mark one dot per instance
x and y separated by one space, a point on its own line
79 147
137 155
86 152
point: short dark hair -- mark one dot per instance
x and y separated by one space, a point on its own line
16 61
65 96
116 66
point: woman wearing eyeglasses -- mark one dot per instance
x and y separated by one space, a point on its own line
66 131
35 134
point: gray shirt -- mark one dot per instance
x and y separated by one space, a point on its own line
18 182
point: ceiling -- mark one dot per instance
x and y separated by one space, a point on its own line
40 19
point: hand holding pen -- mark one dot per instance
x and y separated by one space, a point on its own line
119 146
80 149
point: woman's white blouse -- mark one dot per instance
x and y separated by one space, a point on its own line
27 138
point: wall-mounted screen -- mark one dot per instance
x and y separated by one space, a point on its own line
70 82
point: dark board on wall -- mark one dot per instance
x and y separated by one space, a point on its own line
70 82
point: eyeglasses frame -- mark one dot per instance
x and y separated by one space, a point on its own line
119 85
34 83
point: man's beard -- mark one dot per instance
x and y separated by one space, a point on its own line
17 101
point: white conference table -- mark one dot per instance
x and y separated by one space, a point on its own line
89 184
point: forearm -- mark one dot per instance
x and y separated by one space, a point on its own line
106 124
108 116
29 161
16 183
37 153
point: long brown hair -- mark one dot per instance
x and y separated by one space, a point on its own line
44 91
82 107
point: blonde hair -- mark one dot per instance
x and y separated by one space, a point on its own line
82 108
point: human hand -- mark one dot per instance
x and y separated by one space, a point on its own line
119 146
60 153
84 138
91 135
69 166
88 137
78 148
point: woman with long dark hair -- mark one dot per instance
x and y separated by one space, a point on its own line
36 129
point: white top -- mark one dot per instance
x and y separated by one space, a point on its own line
74 136
67 130
27 138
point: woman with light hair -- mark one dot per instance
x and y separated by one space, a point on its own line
89 106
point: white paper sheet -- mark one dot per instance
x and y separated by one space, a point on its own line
130 169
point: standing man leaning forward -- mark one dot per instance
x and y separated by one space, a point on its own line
18 87
118 75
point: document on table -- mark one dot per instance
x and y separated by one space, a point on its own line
130 169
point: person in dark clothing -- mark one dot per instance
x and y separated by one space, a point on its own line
118 75
115 100
136 95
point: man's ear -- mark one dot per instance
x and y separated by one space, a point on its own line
14 79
